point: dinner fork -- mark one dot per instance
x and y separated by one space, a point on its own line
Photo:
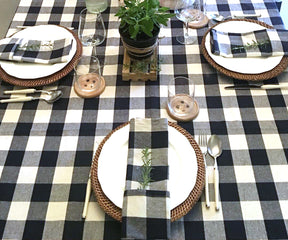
202 140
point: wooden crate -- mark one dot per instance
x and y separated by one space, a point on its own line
150 73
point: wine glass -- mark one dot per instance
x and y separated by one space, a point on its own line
188 11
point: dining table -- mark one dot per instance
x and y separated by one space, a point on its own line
46 150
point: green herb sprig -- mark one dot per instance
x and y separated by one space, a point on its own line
253 45
142 66
35 47
146 168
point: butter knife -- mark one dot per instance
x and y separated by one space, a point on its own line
257 86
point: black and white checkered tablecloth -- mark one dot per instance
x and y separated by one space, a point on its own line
46 150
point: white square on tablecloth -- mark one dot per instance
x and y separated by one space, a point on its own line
18 211
284 208
272 141
35 143
27 175
264 114
95 212
232 114
68 143
279 173
73 116
56 211
63 175
11 116
244 174
5 142
42 116
238 142
251 210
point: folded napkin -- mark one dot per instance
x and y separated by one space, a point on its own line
35 51
260 43
146 212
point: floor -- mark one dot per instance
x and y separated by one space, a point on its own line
6 14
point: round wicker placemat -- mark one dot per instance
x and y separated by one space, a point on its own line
48 79
242 76
111 209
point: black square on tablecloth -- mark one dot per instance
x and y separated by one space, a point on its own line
121 103
23 129
223 7
7 191
112 229
258 157
235 230
214 102
48 159
157 228
33 229
55 129
251 127
73 230
267 191
77 192
276 229
247 6
83 158
14 158
41 193
245 101
152 103
87 129
2 226
282 126
194 230
277 101
57 10
229 192
218 128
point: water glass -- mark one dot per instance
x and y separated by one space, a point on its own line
96 6
91 29
181 104
89 82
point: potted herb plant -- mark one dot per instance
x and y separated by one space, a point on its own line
140 25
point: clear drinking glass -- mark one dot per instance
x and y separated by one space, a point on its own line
181 104
89 82
96 6
188 11
91 29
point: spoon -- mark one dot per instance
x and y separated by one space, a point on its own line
28 90
215 149
219 18
50 98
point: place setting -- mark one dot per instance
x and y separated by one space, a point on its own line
246 49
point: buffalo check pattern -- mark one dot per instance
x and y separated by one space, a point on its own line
260 43
146 210
46 150
35 51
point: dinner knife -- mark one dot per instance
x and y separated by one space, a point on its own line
257 86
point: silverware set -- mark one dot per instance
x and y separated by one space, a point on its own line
214 147
49 96
258 86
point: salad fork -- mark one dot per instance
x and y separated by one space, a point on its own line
202 141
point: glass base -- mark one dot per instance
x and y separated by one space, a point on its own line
186 40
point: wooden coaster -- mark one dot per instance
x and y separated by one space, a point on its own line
199 24
193 114
84 91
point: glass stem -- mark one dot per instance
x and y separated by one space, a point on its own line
186 35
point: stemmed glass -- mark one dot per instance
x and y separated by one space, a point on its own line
91 29
188 11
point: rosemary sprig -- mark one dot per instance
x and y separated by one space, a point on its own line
146 168
35 47
253 45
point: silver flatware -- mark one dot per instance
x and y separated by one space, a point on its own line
27 91
202 141
87 197
219 18
215 150
258 86
47 98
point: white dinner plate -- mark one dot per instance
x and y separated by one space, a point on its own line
242 65
112 164
32 70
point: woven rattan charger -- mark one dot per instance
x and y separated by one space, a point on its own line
249 77
111 209
48 79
